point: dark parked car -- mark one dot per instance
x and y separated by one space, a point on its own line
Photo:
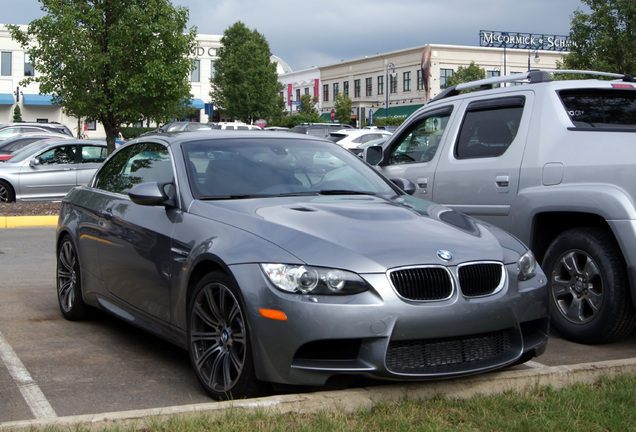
47 170
234 246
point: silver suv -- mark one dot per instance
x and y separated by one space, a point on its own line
553 162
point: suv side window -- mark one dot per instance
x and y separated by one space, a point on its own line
140 163
489 127
420 142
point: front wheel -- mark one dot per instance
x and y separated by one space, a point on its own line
219 340
589 294
6 192
69 285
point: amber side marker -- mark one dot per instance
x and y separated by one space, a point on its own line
273 314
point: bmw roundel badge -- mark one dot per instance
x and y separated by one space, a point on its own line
444 255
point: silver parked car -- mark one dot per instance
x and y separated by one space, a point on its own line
234 246
46 170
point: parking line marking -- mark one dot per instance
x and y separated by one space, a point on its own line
33 396
534 365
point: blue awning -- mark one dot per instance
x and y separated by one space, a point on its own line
197 103
6 99
37 99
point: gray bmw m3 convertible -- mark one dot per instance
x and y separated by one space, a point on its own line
278 258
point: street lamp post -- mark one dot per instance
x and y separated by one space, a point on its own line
386 85
536 58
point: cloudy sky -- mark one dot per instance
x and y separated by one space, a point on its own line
309 33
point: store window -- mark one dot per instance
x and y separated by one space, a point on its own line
5 64
420 79
380 84
28 66
444 74
325 92
345 88
406 81
356 88
336 89
212 69
369 86
394 83
196 72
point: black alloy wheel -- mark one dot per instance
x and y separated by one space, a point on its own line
218 340
69 291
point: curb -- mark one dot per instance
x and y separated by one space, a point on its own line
27 221
346 400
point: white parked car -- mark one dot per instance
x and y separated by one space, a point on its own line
352 138
236 126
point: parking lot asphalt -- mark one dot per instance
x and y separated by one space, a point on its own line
554 368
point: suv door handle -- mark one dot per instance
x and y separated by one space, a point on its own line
422 183
502 181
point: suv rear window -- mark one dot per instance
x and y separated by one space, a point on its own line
600 108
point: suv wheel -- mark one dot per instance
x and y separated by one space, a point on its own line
589 293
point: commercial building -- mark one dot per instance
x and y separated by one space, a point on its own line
397 80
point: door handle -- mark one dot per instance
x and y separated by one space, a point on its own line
422 183
107 213
502 181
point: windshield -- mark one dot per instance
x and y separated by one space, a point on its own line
243 168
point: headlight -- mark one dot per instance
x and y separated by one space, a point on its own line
313 280
527 266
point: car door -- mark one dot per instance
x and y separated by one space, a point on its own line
50 174
479 175
413 154
135 241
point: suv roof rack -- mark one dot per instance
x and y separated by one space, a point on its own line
530 77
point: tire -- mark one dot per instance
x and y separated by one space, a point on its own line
219 340
589 294
69 282
7 194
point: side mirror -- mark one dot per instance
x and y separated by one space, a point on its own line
35 162
151 194
406 185
372 155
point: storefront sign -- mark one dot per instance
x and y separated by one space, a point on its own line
200 51
529 41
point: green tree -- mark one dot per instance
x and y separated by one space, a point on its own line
245 83
113 61
17 114
342 106
308 104
466 74
605 39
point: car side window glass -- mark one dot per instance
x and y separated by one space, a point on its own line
420 142
140 163
60 155
94 154
488 129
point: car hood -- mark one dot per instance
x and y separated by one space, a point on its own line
359 233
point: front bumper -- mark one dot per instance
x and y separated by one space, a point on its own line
380 335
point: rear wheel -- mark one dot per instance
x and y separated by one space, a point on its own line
7 194
219 340
69 285
589 294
